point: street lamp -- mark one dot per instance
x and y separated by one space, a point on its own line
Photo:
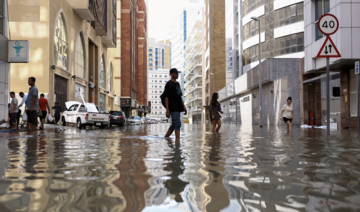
214 82
260 81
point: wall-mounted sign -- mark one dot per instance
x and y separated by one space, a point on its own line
141 109
79 90
125 102
18 51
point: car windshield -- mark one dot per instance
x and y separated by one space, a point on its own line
137 117
116 113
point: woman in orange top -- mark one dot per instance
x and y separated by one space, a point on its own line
43 104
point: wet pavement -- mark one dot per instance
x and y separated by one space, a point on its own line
136 169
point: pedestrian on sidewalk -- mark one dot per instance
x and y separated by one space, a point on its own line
24 98
44 107
13 110
32 105
57 112
172 97
215 109
287 114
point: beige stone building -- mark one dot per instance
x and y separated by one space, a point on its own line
74 49
214 50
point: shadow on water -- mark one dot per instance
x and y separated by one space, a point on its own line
136 169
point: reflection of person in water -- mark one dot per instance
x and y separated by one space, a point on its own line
175 185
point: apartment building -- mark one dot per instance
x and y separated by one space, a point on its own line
193 69
159 56
343 84
71 50
182 23
282 45
134 57
156 85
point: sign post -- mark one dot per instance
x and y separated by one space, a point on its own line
328 24
358 96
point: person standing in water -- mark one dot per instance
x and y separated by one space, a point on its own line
215 117
287 114
173 103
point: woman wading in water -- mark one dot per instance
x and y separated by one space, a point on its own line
215 117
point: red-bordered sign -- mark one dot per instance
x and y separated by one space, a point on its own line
328 24
328 49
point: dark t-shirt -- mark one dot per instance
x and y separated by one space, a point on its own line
57 110
173 92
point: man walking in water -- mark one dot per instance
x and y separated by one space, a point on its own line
174 103
32 105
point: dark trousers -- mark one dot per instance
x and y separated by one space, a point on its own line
57 119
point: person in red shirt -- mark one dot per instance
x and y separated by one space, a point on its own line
43 104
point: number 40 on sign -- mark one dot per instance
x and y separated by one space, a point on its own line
328 24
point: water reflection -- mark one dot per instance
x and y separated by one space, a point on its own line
136 169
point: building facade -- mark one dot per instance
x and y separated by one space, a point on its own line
182 23
159 56
71 50
214 50
193 69
157 81
134 57
343 84
4 65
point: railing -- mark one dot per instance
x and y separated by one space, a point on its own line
99 10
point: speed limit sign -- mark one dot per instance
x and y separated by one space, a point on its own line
328 24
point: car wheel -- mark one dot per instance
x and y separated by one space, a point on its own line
78 124
84 127
63 121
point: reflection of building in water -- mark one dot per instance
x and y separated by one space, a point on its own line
157 192
218 197
63 175
133 180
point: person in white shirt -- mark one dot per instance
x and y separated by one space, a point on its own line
24 98
287 114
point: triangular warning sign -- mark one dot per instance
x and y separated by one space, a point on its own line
328 49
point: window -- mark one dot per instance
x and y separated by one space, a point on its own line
155 102
160 112
159 75
150 50
155 97
353 94
150 64
155 75
60 44
102 73
150 55
155 86
155 91
80 57
321 7
111 78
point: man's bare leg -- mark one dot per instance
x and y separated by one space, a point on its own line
169 132
177 134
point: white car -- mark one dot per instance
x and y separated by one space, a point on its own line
84 114
154 121
134 120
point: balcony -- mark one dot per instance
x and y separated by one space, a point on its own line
99 10
110 39
82 8
94 11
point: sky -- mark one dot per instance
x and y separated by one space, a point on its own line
160 14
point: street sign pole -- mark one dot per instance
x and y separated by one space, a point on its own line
358 105
328 95
357 72
328 24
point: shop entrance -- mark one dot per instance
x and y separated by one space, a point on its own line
61 91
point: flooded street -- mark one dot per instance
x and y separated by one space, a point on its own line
136 169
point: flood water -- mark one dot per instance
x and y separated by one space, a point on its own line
136 169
